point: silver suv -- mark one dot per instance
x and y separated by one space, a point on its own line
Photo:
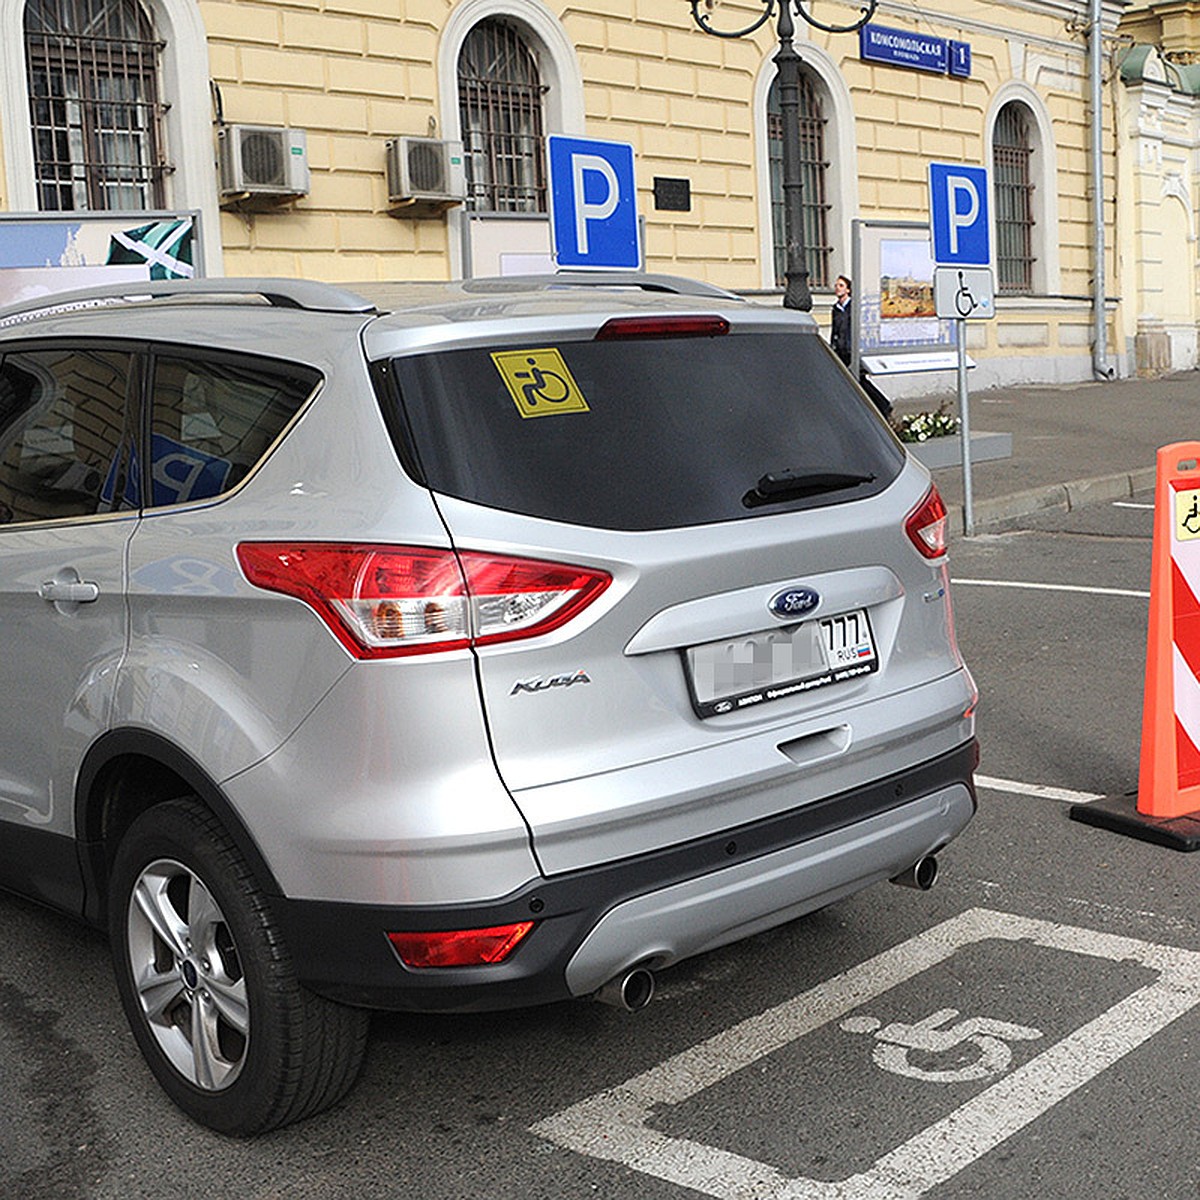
468 646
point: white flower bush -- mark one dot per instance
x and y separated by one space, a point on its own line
920 427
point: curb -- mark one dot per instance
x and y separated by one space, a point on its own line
1061 497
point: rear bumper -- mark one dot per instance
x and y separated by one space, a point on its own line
651 910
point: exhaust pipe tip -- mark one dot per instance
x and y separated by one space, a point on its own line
630 992
922 875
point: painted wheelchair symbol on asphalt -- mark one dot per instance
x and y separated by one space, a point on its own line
982 1042
629 1122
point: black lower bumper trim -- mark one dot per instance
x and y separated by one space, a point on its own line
342 951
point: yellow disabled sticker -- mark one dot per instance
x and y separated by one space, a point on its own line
1187 515
539 382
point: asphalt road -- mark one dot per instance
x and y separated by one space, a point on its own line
1030 1028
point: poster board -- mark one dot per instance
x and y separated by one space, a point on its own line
45 253
894 318
508 244
515 244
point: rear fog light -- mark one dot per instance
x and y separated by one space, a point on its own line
459 947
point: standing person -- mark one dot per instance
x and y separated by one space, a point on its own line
839 340
839 335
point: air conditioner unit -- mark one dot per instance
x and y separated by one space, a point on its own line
425 170
263 160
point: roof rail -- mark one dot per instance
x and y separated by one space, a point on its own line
280 293
675 284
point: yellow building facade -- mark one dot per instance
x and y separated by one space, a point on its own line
353 75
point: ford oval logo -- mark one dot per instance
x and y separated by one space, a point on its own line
794 602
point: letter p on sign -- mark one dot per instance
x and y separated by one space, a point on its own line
603 206
958 206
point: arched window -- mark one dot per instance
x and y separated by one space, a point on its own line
503 127
814 164
1012 172
92 70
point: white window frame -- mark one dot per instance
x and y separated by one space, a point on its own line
560 73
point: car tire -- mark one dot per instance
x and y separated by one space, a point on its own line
208 985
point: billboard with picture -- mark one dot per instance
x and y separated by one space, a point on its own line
45 253
894 312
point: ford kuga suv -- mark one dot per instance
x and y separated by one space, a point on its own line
448 647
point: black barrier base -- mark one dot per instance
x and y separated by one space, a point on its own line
1119 814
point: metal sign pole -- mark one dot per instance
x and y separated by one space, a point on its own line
964 295
958 209
965 428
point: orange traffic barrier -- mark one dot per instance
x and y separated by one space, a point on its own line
1166 810
1169 768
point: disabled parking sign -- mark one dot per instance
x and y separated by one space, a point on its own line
593 204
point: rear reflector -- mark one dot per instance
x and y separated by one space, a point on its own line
926 525
624 328
459 947
388 601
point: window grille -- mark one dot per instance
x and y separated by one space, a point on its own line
1012 154
813 169
500 102
94 105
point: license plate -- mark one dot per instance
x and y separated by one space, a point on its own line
731 675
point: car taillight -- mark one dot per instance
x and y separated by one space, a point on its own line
926 525
388 601
523 597
459 947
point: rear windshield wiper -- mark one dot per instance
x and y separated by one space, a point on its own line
794 483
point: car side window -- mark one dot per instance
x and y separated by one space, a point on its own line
65 434
213 421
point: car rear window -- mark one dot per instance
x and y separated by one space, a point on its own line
641 433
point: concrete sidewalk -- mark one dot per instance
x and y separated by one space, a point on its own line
1072 443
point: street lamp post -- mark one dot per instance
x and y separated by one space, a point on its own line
787 63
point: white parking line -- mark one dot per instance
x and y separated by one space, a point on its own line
617 1125
1131 504
1048 587
1038 790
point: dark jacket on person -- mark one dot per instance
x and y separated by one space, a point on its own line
839 337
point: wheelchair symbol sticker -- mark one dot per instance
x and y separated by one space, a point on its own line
1187 515
539 382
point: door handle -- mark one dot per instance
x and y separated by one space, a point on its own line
79 592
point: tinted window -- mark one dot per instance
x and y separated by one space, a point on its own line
64 434
212 421
642 434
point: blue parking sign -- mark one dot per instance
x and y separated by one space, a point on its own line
593 204
958 209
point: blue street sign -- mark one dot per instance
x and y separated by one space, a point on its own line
903 48
960 59
958 208
593 204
